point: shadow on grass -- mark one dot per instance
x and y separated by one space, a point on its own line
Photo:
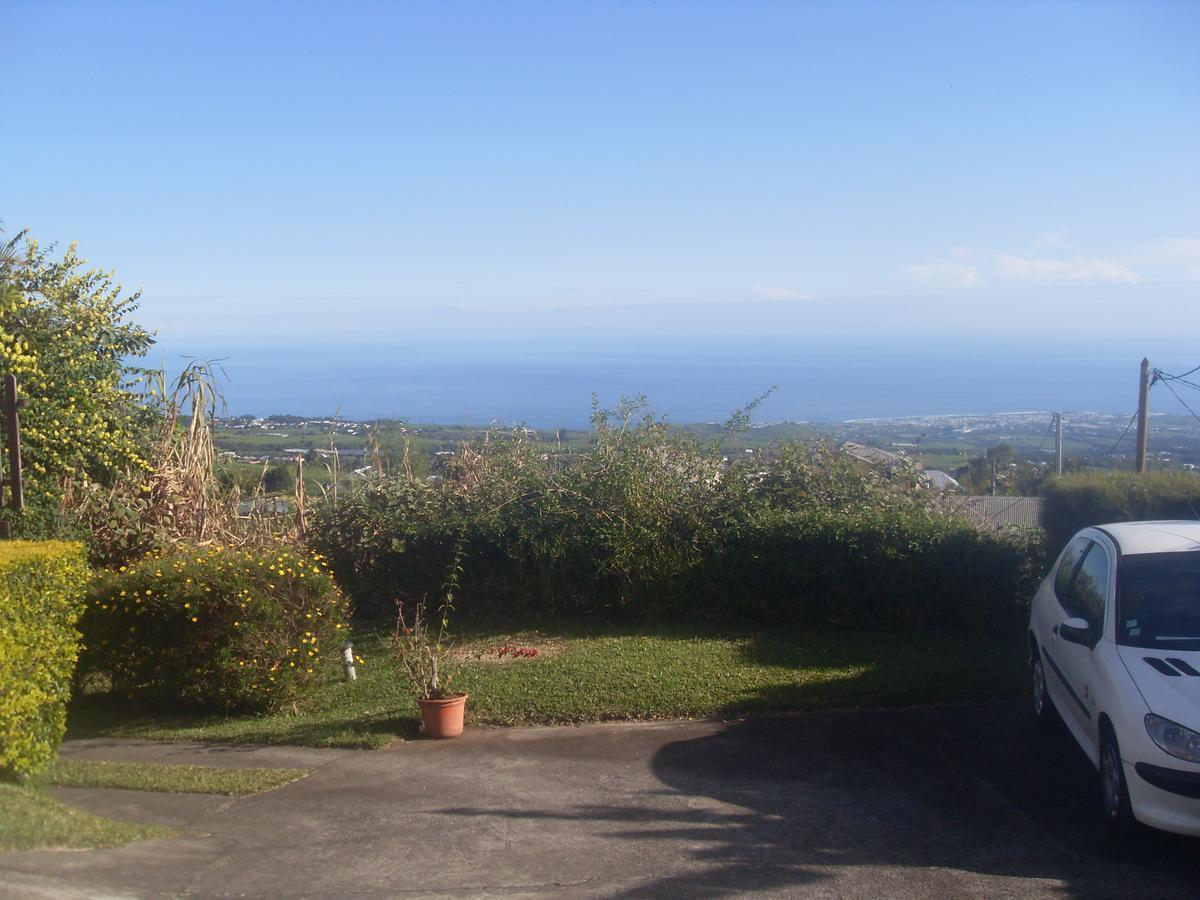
878 670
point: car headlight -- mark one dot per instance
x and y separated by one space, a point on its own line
1180 742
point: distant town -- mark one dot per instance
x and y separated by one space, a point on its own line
952 448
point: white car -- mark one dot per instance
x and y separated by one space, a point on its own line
1114 647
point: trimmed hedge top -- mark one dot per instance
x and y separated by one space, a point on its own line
1076 501
15 552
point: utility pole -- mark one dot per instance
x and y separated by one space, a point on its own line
1139 464
1058 443
12 404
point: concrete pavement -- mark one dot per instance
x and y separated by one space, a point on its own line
936 801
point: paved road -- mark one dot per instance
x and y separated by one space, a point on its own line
945 801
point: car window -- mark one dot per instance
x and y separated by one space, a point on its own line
1090 589
1066 568
1159 601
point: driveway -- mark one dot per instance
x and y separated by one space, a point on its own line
936 801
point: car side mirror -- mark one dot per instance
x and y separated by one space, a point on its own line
1076 630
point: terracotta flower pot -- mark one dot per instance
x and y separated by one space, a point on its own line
443 718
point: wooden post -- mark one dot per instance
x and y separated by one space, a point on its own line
12 403
1143 412
301 498
1058 443
12 422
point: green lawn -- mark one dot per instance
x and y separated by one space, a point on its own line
175 779
585 675
30 819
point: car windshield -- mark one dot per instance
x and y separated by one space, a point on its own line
1160 600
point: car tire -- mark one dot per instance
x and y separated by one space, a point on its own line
1114 792
1044 714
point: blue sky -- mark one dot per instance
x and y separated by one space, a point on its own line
300 172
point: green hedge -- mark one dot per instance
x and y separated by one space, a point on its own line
869 570
860 567
41 597
215 628
646 523
1072 502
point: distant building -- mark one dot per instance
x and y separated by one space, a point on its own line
939 480
997 513
872 454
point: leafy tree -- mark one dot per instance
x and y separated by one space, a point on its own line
66 335
280 477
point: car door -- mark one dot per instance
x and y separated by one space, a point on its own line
1049 611
1072 651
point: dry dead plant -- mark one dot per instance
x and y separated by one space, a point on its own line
177 497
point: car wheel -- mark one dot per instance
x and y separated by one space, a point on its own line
1113 789
1044 714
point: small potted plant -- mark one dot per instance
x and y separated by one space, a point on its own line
422 647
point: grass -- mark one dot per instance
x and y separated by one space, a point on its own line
31 820
597 674
173 779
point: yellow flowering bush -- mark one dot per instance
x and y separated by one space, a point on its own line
65 334
215 628
41 597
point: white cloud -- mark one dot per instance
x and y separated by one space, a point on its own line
774 292
970 267
1080 269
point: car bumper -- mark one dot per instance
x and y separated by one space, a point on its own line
1168 799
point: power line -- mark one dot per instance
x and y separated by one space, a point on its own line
1046 436
1166 378
1160 375
1123 433
1190 384
1181 400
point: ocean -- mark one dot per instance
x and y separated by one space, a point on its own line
551 383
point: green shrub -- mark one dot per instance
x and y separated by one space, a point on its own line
872 570
214 628
649 524
41 598
1094 498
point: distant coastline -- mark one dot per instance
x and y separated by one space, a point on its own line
551 384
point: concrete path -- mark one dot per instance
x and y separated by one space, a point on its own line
945 801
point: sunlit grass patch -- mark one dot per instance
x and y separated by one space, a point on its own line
170 778
30 820
583 674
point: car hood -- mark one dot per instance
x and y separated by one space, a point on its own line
1169 680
